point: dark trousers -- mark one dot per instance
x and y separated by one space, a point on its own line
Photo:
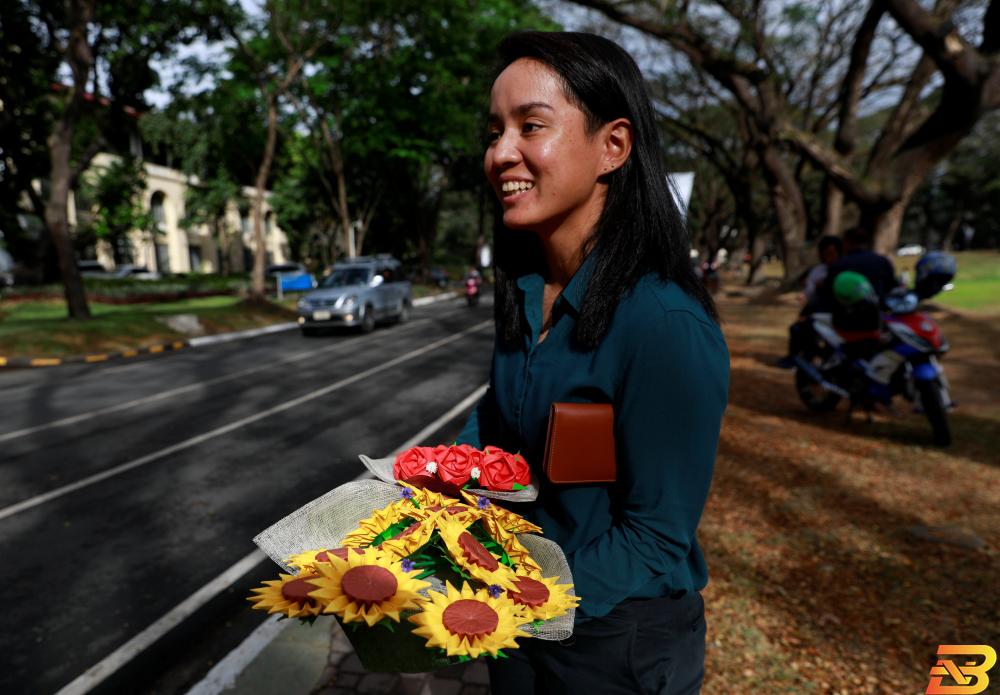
642 646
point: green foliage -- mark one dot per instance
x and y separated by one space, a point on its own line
115 195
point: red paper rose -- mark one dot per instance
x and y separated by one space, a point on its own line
455 463
500 470
412 462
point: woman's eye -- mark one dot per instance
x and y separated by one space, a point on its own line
530 127
492 135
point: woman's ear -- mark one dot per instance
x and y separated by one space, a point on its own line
617 143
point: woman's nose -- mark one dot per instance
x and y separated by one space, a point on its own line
506 150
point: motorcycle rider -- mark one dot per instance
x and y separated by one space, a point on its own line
859 258
830 248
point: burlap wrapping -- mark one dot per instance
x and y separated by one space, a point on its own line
326 521
382 469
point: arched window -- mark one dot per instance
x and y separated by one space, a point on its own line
156 207
268 224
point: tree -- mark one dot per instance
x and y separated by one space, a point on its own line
107 49
115 196
806 98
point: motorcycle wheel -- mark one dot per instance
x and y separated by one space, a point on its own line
930 400
812 395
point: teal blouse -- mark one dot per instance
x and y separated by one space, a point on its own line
664 367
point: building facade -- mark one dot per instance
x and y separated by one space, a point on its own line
172 248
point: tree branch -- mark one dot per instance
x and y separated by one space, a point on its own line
831 163
939 38
850 94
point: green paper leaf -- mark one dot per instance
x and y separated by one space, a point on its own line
517 486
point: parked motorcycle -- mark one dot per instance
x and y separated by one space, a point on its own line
860 353
472 291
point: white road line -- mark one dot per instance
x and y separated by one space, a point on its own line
225 672
99 672
225 429
164 395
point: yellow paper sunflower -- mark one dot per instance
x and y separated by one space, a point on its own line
469 554
428 498
467 622
290 594
410 540
522 559
366 588
306 560
542 598
370 528
507 519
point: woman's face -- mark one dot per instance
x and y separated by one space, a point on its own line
541 162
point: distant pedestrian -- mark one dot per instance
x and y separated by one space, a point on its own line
596 301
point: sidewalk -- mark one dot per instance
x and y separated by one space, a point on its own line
318 659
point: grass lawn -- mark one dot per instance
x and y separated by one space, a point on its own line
818 581
41 329
977 284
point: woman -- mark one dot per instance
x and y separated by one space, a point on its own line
596 302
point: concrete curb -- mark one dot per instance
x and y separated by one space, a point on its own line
423 301
22 362
15 362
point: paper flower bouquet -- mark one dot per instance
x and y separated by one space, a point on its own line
421 579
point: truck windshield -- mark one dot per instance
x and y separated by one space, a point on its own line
344 277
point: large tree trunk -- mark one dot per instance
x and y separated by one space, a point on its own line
57 221
257 289
790 209
833 210
60 143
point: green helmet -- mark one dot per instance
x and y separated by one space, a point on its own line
850 288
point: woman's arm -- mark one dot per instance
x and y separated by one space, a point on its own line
668 414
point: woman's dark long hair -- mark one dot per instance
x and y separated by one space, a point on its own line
640 230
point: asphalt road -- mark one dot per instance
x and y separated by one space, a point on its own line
201 449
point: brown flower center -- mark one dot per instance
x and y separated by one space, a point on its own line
368 584
530 592
470 618
297 590
476 552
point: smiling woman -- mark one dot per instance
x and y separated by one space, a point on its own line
596 302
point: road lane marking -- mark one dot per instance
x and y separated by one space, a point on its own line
224 674
164 395
99 672
225 429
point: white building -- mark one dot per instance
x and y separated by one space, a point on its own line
175 249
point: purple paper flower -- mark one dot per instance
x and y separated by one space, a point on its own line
495 590
407 565
482 502
407 493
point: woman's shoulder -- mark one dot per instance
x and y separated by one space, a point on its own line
654 298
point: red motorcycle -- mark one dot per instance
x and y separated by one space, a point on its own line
472 291
899 356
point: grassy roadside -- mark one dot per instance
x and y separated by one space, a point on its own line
41 329
819 583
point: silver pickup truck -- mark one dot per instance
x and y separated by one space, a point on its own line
357 293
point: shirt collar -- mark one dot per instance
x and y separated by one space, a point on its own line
573 293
